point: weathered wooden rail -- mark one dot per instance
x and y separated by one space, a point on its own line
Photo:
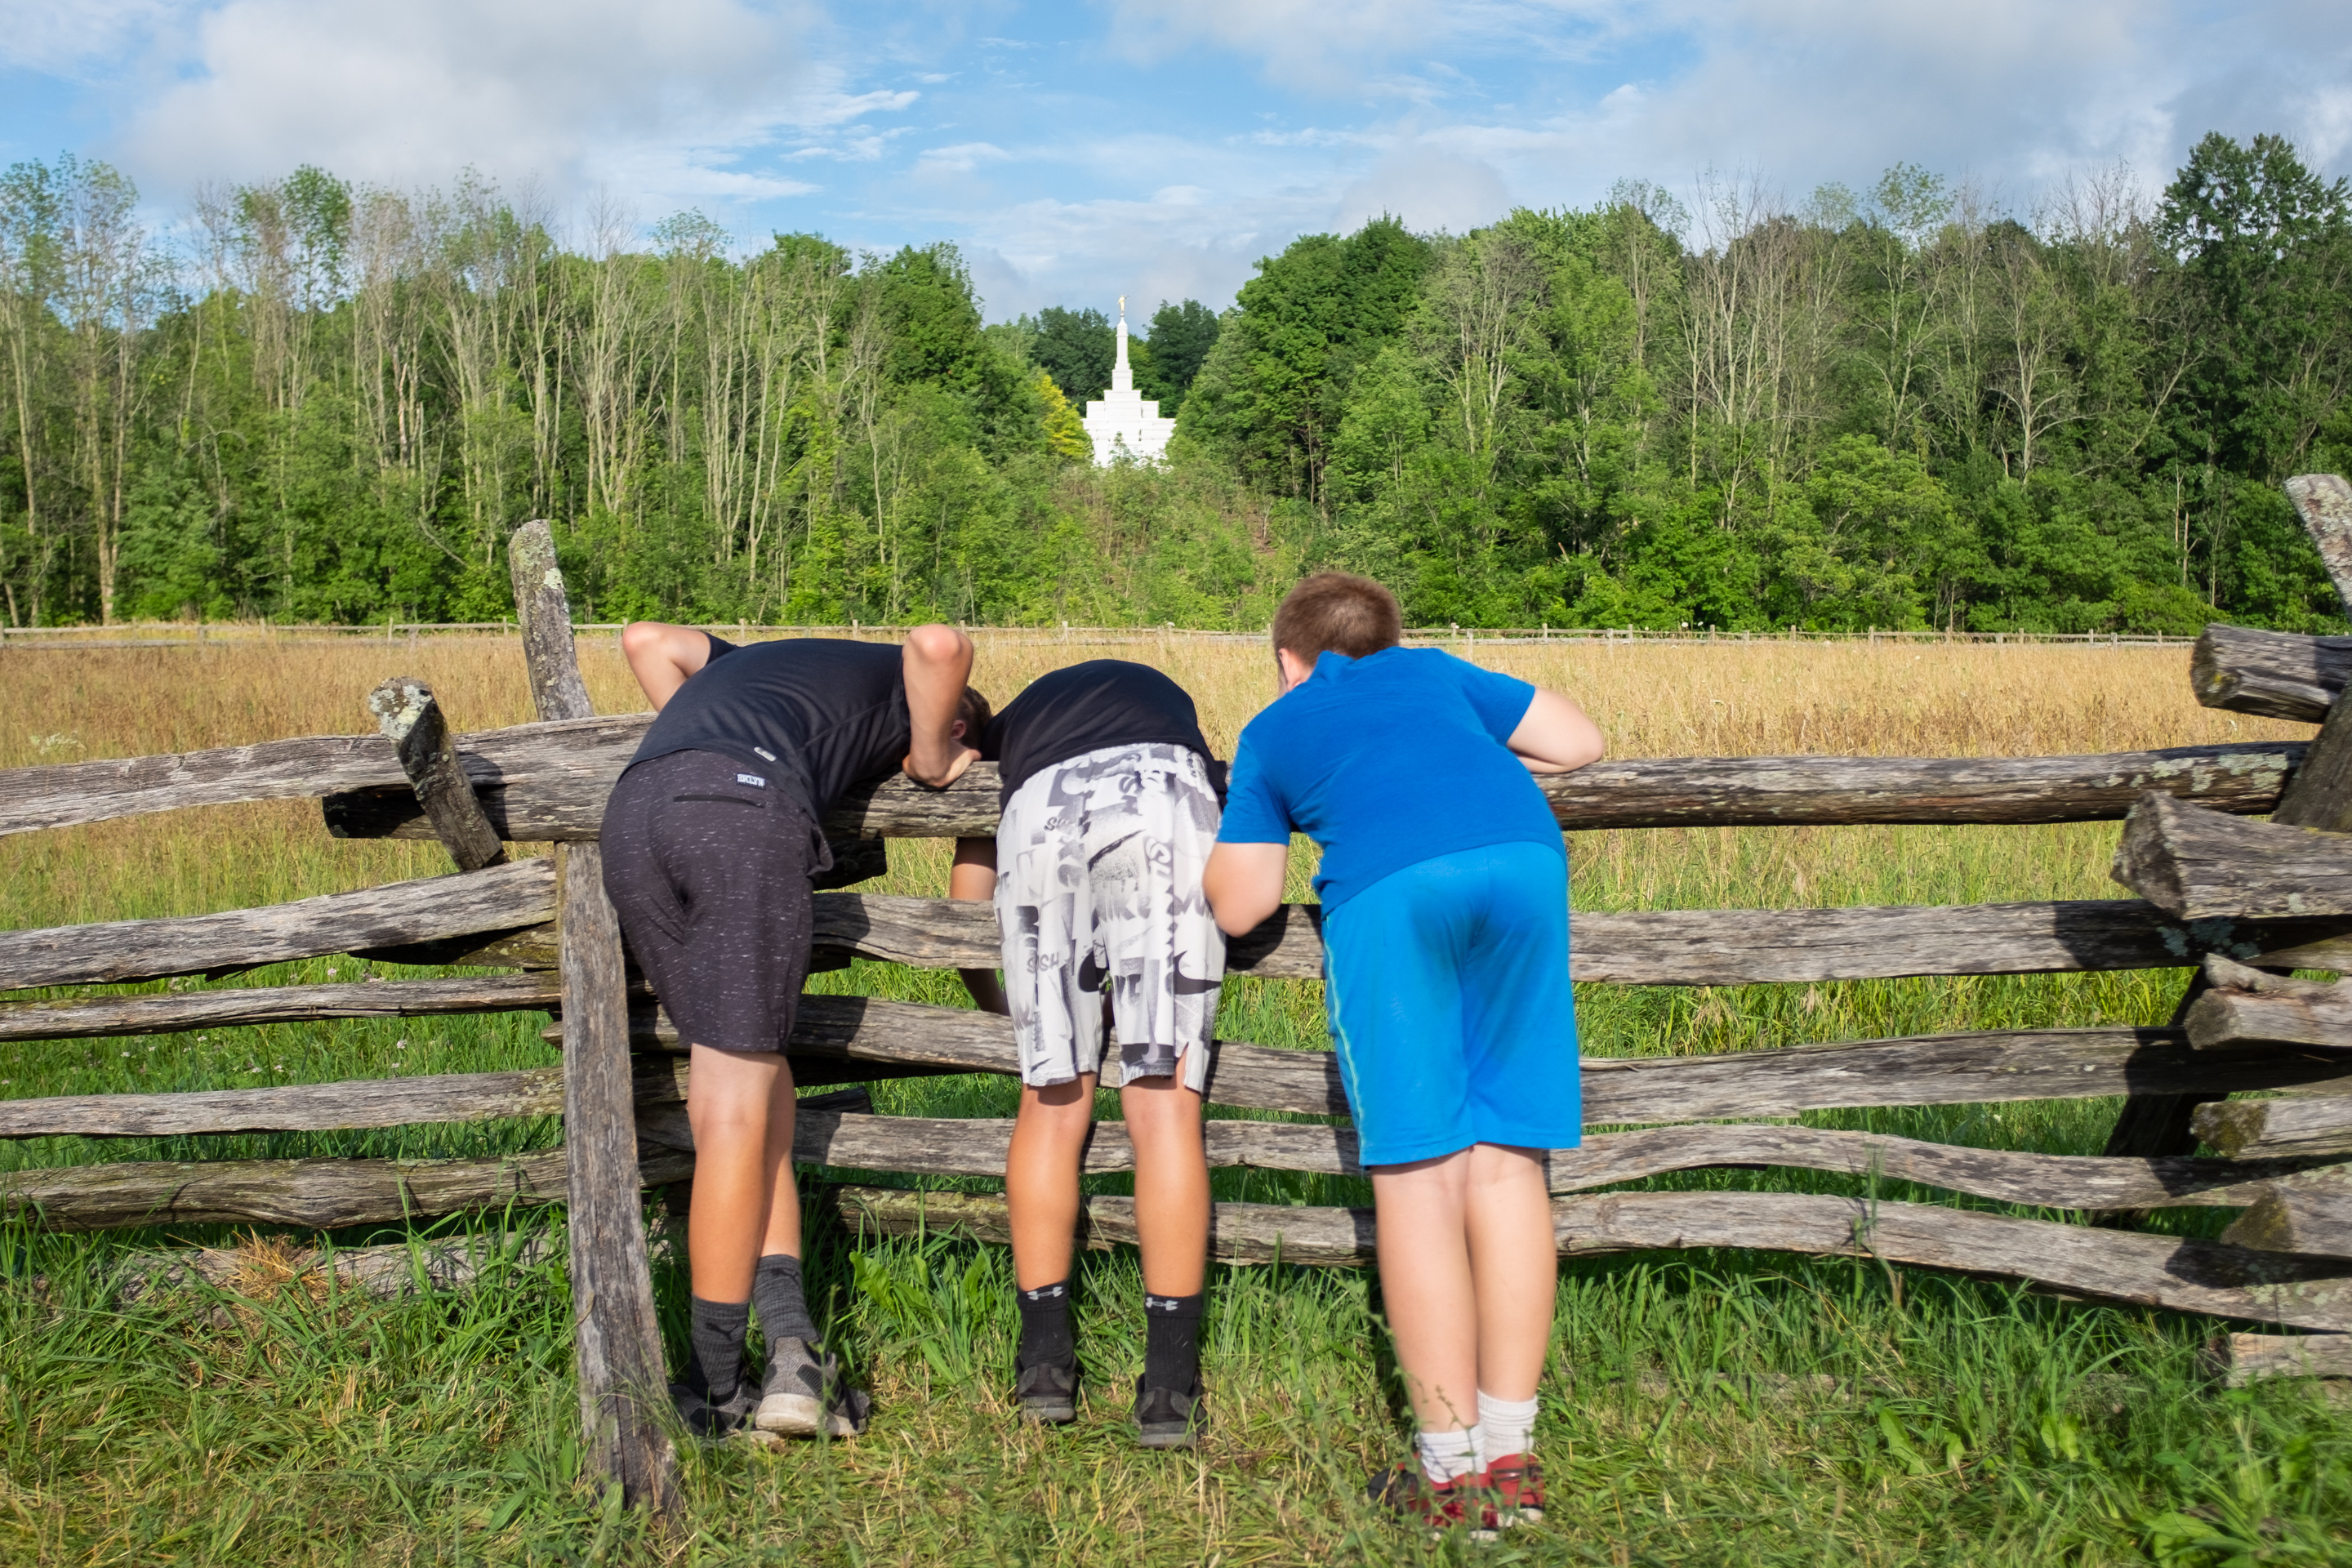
547 783
2247 901
500 918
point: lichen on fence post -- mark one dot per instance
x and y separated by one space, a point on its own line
410 717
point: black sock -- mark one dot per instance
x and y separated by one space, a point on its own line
1171 1340
716 1337
1045 1325
783 1310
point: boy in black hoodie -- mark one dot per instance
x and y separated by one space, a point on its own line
710 839
1108 817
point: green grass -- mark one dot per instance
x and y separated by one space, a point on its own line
1713 1407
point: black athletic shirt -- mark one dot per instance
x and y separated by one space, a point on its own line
810 715
1084 707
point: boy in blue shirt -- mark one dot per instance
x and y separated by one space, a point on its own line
1445 889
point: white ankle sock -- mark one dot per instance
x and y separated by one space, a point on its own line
1447 1456
1505 1427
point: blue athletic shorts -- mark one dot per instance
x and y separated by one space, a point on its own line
1447 984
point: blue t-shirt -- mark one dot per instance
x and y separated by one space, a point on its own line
1386 761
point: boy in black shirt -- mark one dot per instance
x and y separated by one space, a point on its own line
710 839
1108 817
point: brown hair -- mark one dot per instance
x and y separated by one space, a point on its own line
976 714
1336 612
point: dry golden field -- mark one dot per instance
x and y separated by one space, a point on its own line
75 704
69 704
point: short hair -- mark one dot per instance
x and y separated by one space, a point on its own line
1337 612
974 711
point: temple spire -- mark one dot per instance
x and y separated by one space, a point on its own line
1122 379
1123 422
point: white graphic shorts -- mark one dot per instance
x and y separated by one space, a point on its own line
1098 884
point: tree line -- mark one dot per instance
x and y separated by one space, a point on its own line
1900 407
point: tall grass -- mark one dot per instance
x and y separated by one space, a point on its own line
1706 1407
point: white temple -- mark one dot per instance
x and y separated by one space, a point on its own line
1124 419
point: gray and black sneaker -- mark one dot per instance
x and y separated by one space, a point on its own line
1165 1418
1048 1393
804 1396
707 1419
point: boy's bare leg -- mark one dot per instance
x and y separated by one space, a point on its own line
1426 1286
1468 1271
1171 1183
1515 1262
739 1105
1041 1178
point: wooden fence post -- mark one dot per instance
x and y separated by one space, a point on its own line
617 1339
410 718
2317 795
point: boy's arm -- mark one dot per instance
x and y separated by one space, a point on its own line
1556 736
661 656
938 661
973 876
1243 883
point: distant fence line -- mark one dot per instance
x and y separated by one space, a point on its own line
183 633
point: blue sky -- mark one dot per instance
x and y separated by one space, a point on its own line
1155 148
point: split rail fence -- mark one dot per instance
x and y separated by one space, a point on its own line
2248 901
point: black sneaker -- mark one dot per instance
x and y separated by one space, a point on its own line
707 1419
805 1396
1048 1393
1165 1418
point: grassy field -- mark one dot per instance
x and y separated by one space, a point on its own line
1713 1407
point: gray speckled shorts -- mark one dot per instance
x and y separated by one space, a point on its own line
1098 884
707 865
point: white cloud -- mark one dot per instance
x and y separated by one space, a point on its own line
1182 244
1805 89
1162 146
1338 45
1315 43
839 109
657 104
1551 101
67 37
961 159
1428 188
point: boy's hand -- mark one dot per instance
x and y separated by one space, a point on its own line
1555 736
1244 882
938 661
663 657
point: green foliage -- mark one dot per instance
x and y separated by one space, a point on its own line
1167 360
1065 431
1893 407
1077 349
1271 392
2266 249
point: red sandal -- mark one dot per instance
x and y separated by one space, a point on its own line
1518 1490
1437 1507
